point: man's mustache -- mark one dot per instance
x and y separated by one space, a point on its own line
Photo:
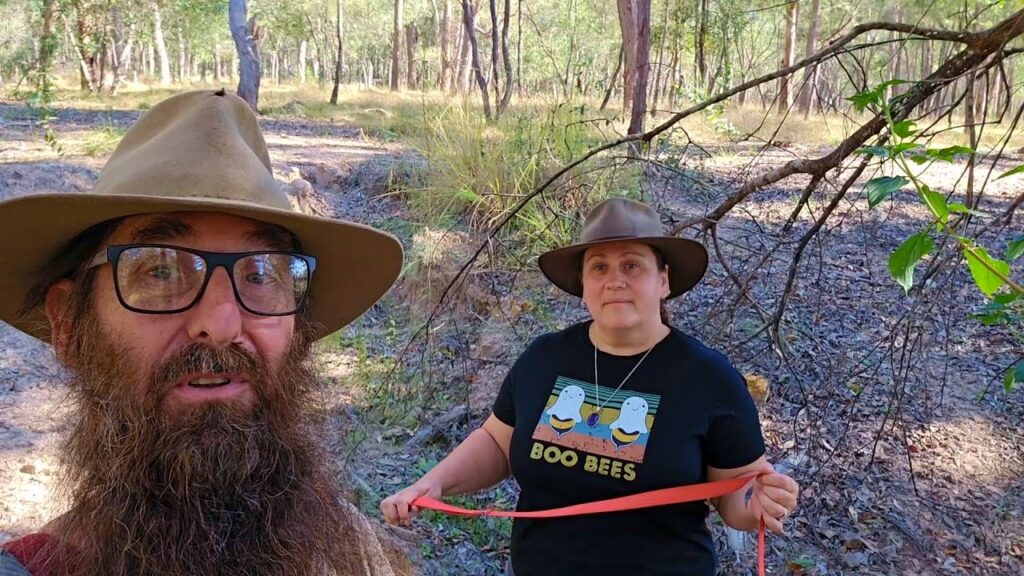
198 358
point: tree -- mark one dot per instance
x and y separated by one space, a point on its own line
807 89
396 47
635 25
788 52
339 62
244 34
627 27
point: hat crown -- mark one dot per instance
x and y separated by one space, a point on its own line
620 218
204 144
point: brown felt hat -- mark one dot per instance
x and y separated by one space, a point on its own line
618 219
197 151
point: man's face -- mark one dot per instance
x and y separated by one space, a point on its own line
195 439
217 321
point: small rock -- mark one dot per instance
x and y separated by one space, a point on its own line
28 469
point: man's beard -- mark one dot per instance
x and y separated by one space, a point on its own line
219 489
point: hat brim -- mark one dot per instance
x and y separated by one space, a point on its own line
357 263
687 261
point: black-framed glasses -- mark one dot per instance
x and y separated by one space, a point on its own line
162 279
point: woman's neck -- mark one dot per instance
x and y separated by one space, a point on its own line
629 341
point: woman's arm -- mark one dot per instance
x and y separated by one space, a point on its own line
772 496
480 461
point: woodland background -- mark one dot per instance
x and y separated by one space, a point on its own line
852 167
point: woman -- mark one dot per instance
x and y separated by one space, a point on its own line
620 404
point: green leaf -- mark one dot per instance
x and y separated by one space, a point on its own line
987 280
961 209
936 203
1011 172
1015 248
901 148
904 128
949 153
991 313
865 99
1005 297
906 257
894 82
919 158
880 188
1014 376
880 151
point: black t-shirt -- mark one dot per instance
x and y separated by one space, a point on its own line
684 408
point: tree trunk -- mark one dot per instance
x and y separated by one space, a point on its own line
464 70
496 53
445 82
468 20
396 47
627 27
661 60
339 61
519 47
700 54
412 37
244 35
788 53
507 96
807 91
643 65
182 64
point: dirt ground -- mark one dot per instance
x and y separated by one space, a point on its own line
904 470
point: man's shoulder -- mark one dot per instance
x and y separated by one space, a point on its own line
11 566
17 556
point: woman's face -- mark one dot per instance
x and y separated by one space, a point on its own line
623 286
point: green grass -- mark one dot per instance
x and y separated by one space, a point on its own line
102 141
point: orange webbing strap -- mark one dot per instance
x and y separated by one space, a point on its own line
665 496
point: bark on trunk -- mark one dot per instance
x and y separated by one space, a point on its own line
339 62
396 46
243 33
808 90
468 18
627 26
788 48
643 65
445 82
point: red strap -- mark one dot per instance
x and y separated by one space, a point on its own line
36 552
665 496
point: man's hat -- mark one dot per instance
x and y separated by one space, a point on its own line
197 151
621 219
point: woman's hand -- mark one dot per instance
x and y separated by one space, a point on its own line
774 497
398 508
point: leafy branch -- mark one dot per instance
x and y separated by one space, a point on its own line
992 276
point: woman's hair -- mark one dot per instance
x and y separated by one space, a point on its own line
666 316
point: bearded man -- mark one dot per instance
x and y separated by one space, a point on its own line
183 295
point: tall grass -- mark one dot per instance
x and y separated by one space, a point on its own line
478 172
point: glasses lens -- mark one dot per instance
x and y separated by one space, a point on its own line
159 279
272 283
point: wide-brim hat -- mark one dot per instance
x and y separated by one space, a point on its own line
621 219
196 151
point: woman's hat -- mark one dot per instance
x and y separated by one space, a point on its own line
621 219
197 151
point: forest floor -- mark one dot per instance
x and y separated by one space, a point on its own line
906 468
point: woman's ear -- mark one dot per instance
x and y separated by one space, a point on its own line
58 310
666 287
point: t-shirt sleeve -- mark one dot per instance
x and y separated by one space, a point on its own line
734 433
504 405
